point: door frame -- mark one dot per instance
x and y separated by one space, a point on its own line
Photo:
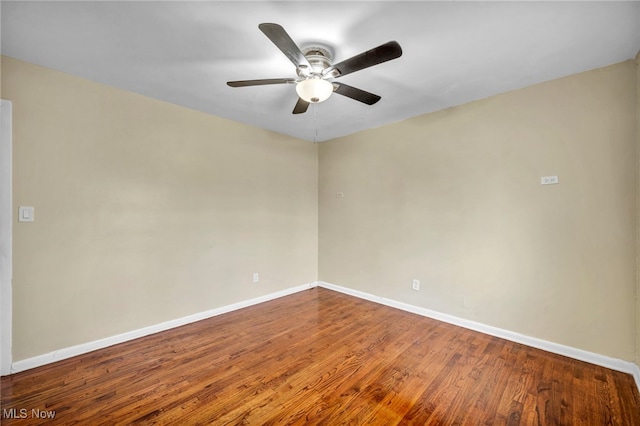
6 221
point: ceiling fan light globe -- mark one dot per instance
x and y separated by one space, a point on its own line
314 90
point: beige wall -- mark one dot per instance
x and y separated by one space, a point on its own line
145 211
454 199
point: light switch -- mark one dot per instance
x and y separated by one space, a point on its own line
26 214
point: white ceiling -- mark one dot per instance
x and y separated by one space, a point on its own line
454 52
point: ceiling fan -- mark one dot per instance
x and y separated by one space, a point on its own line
316 71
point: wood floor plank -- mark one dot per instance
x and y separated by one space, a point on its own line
323 358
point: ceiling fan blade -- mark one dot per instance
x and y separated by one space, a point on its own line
355 93
301 106
281 39
375 56
244 83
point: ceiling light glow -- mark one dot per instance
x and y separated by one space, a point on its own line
314 90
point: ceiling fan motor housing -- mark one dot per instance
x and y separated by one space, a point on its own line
320 59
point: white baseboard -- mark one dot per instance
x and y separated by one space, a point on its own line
593 358
72 351
579 354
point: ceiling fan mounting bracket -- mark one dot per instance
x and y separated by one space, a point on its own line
318 49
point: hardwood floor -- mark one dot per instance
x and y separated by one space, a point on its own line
321 357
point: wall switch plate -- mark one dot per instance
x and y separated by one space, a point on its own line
549 180
26 214
256 277
415 285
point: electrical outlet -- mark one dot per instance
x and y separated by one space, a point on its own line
549 180
256 277
415 285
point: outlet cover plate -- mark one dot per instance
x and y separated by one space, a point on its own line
415 285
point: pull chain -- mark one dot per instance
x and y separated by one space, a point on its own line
315 125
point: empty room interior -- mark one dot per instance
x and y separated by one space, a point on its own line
320 212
